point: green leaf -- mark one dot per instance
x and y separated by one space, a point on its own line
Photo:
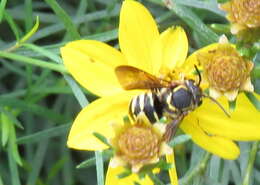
102 138
36 62
99 168
253 100
48 133
43 52
2 9
207 5
53 172
29 15
221 28
256 71
50 30
33 108
13 144
31 32
107 154
5 129
77 91
190 18
214 168
179 140
155 179
124 174
250 165
12 118
14 27
1 181
71 29
37 162
13 167
235 172
232 105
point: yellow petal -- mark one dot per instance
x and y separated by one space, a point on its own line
192 59
172 171
98 117
92 64
217 145
112 179
139 36
175 48
243 125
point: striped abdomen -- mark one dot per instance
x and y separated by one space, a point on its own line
147 104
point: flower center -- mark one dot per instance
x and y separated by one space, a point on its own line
226 73
246 12
139 144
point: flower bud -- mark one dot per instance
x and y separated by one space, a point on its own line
139 144
244 16
226 71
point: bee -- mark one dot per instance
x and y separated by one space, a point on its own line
171 99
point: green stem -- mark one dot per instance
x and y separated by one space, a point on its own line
71 28
256 72
155 179
200 167
99 167
36 62
250 164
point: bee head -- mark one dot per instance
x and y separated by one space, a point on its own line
195 90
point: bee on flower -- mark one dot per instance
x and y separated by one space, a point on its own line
93 65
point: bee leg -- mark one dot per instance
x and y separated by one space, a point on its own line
172 127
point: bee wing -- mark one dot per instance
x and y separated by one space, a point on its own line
133 78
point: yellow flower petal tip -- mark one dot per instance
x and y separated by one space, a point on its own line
139 37
175 48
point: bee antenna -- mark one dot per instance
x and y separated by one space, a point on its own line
197 70
216 102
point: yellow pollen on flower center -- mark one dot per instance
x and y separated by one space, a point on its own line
246 12
226 73
138 144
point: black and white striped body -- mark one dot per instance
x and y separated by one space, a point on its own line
148 104
171 102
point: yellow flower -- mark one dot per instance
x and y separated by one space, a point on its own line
244 16
139 144
225 70
93 64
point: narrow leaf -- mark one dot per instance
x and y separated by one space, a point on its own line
33 108
99 168
14 174
31 32
2 9
71 29
14 27
193 21
253 100
48 133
